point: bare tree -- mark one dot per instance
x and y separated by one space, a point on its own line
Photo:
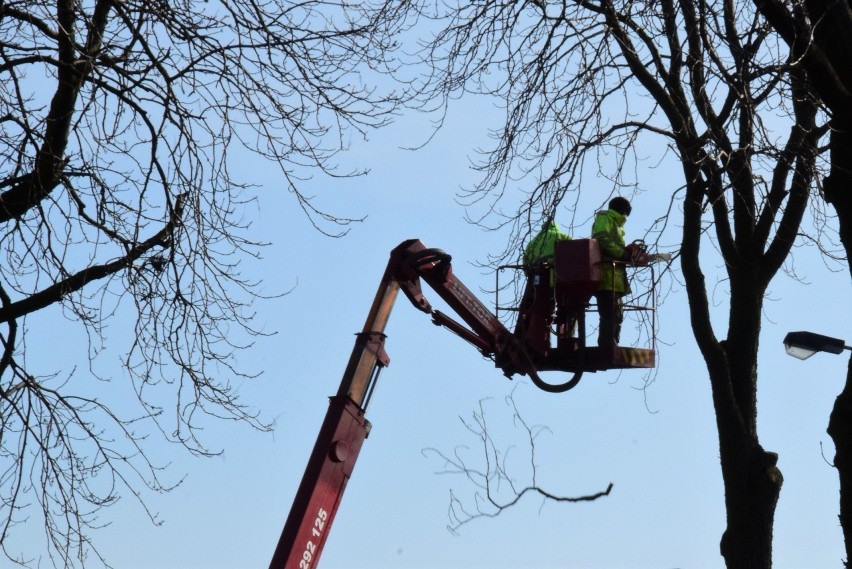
592 88
819 35
119 123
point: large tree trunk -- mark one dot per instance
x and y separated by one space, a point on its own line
838 191
840 430
818 34
752 487
752 479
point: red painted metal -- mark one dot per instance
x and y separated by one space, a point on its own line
578 270
323 483
339 441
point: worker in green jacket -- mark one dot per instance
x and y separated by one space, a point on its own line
539 303
608 229
543 245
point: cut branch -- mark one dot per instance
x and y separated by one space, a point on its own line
493 479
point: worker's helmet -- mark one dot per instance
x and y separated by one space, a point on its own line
621 205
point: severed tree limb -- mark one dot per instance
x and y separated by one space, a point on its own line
496 489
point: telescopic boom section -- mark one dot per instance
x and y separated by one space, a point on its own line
483 330
345 427
339 442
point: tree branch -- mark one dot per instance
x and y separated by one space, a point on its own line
58 291
496 488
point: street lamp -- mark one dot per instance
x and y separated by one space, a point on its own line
803 345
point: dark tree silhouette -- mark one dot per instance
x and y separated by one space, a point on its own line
591 89
119 124
819 35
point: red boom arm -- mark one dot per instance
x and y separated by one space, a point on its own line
345 426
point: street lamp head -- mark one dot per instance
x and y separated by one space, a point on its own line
803 345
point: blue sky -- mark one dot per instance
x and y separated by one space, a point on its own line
658 445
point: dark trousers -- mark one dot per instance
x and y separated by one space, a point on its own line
611 310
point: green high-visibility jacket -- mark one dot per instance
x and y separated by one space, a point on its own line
608 229
542 247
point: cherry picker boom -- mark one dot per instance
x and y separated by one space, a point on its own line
556 296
